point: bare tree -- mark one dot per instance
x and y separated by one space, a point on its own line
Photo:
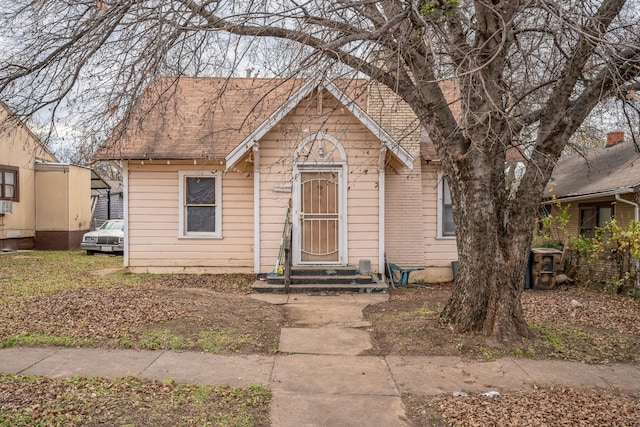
528 72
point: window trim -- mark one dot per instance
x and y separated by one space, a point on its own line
596 206
182 217
16 187
440 211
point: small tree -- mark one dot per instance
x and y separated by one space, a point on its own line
553 227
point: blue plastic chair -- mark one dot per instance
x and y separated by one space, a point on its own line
400 276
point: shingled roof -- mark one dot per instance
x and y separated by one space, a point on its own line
204 117
610 169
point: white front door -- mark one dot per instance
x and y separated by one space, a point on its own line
319 208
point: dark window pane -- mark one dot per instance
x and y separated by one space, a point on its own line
201 218
200 191
448 227
447 219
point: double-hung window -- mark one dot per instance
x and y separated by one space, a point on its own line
446 227
9 183
200 204
594 215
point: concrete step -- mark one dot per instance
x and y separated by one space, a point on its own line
322 279
262 286
324 271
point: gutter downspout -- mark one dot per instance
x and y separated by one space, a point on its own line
636 215
256 209
125 211
381 211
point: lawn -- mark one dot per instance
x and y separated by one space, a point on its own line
70 299
38 401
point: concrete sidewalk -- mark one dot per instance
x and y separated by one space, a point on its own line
408 374
318 379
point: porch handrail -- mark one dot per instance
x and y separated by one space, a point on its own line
287 250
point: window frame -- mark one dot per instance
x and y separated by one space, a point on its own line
595 206
16 185
182 208
440 234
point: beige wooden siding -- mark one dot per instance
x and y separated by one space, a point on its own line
276 166
153 224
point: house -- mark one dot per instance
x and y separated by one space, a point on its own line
598 185
212 166
44 204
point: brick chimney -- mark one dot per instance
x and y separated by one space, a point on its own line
614 138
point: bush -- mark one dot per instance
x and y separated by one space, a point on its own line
610 258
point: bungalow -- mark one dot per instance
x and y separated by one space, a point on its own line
213 166
598 185
44 204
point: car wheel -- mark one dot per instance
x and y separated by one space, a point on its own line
91 252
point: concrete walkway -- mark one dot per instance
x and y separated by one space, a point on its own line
318 379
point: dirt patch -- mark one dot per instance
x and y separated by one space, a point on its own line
155 315
570 323
408 324
222 323
544 407
105 271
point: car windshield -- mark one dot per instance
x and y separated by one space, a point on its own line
112 225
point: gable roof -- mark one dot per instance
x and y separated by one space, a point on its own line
215 118
208 116
9 121
343 98
601 171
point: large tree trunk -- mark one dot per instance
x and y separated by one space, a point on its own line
494 233
487 292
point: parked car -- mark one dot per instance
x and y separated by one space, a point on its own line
109 237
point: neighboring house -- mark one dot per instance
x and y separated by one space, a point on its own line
211 169
106 203
43 204
601 184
